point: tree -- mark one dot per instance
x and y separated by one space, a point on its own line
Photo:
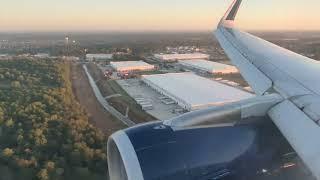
45 127
20 138
7 75
1 115
20 78
43 174
10 123
50 165
75 158
15 84
7 152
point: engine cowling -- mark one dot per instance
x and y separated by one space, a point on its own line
156 151
209 144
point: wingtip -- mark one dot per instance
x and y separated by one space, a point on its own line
233 10
231 13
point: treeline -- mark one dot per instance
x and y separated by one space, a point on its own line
44 133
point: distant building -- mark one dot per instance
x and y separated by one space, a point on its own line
70 58
129 66
24 55
193 92
177 57
42 55
209 67
5 56
99 57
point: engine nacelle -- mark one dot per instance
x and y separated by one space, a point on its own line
193 147
156 151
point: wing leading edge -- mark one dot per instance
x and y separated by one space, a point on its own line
269 68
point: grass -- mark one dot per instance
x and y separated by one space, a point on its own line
5 84
135 112
111 87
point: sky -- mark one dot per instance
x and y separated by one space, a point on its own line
154 15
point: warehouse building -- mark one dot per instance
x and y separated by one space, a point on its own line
209 66
193 92
177 57
98 57
129 66
42 55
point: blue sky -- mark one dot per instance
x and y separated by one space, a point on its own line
156 15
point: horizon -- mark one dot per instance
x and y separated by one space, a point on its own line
164 16
76 32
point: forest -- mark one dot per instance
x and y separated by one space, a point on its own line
44 132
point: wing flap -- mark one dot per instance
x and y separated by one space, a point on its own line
270 68
292 121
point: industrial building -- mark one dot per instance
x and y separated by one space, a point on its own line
209 66
5 56
98 57
70 58
129 66
42 55
177 57
193 92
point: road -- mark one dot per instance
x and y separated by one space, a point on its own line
125 120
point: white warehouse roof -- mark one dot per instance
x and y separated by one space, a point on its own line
209 66
193 92
174 57
131 66
42 55
99 56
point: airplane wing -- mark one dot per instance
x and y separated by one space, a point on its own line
269 68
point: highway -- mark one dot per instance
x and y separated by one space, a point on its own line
125 120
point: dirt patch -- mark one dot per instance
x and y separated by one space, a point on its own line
98 116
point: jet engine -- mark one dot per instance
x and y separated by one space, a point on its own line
216 143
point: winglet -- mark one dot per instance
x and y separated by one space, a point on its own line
230 15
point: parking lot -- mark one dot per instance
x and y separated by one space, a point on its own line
161 107
108 68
